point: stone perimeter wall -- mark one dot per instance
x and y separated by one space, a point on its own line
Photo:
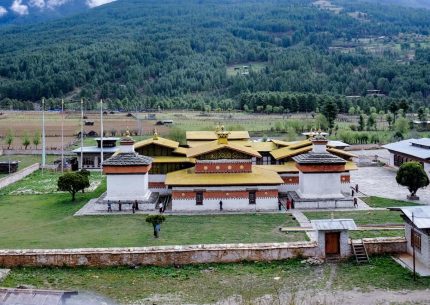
177 255
12 178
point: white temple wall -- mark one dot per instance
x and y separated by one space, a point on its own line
230 204
319 185
157 178
127 187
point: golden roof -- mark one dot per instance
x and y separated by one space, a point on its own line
261 146
172 159
214 146
341 153
259 176
287 152
212 135
282 143
351 166
157 141
198 143
288 167
181 151
300 144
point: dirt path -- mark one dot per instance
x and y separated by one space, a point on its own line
333 268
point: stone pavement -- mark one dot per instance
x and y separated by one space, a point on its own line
305 223
3 274
381 182
406 261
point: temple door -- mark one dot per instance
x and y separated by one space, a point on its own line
332 243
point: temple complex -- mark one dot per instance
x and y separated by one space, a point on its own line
222 170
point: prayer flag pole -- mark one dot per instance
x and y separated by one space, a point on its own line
62 135
101 136
82 134
43 135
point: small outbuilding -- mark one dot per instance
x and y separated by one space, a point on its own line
333 237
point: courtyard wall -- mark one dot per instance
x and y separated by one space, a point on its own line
178 255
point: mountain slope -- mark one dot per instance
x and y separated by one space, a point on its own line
155 53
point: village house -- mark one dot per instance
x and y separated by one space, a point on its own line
410 150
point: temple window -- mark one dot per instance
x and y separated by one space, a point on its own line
252 197
416 240
199 198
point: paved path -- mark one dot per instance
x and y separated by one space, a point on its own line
381 181
305 223
3 274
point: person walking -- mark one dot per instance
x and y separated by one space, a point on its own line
133 207
119 205
136 205
160 208
352 193
279 204
355 202
109 207
220 205
356 188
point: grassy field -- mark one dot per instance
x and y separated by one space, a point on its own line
211 283
256 67
43 183
27 160
379 202
46 221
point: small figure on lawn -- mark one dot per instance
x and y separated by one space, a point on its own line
355 202
279 204
136 205
119 205
220 205
109 207
156 221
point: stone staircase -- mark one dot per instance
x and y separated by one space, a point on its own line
360 252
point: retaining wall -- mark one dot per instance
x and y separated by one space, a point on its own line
176 255
12 178
385 245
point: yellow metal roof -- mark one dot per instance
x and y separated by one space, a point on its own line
259 176
214 145
350 166
341 153
288 167
300 144
198 143
181 151
261 146
211 135
287 152
282 143
173 159
158 141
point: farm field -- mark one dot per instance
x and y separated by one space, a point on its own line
30 122
203 284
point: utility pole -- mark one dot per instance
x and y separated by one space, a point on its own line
43 135
413 245
101 136
82 134
62 135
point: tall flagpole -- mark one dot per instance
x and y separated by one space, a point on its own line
62 135
43 135
101 136
82 133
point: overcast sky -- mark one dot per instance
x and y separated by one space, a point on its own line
24 7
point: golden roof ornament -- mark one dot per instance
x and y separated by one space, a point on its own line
155 134
222 135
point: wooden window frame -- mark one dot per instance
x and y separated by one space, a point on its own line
199 198
252 197
416 240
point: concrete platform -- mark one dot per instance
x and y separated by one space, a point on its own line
406 261
321 203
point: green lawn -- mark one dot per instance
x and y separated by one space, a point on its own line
214 282
42 183
27 160
379 202
46 221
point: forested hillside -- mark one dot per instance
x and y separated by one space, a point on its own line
141 54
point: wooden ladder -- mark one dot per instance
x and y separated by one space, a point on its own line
360 252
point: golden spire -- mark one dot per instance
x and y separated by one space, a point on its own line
222 135
127 133
155 134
